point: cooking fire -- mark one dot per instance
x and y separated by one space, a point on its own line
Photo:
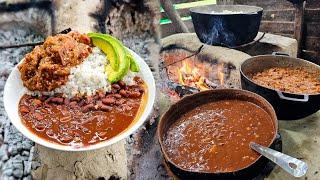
189 74
198 71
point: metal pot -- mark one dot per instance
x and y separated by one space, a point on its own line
288 106
190 102
215 27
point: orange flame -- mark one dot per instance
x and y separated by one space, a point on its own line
190 75
195 76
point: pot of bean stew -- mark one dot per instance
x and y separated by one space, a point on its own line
207 135
291 85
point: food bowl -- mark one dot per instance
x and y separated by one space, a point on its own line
217 25
190 102
14 90
288 106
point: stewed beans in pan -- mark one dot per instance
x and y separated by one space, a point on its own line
291 80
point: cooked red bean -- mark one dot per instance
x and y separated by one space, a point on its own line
134 94
43 97
40 127
82 103
66 101
89 99
75 98
122 83
36 102
88 107
105 108
66 138
73 104
24 109
57 100
124 93
108 100
38 116
50 133
101 94
116 86
118 96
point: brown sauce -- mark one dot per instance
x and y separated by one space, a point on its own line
292 80
215 137
83 121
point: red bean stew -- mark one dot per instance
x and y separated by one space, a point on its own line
215 137
83 121
291 80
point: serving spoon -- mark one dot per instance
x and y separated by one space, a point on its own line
293 166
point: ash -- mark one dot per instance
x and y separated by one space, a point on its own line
16 151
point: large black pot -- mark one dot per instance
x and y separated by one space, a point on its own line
192 101
226 29
288 106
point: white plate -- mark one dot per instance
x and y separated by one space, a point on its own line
14 90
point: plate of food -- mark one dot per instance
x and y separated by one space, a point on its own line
78 92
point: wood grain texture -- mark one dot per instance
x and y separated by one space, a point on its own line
284 27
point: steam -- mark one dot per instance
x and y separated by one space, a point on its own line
219 34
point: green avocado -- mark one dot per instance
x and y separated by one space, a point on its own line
134 67
116 53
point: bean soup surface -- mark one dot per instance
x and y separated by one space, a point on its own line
215 137
83 121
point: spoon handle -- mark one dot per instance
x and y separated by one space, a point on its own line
293 166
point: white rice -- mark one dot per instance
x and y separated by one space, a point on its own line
88 77
227 12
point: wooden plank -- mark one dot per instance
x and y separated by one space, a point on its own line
312 15
278 15
312 56
283 27
182 13
298 26
312 4
313 29
286 35
169 29
267 4
312 43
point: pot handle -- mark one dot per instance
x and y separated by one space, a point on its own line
280 54
282 96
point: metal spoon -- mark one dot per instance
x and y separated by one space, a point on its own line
293 166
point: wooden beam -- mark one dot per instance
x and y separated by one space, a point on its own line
312 43
174 16
312 15
299 26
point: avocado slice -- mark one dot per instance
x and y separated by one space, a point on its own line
134 67
121 60
110 48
